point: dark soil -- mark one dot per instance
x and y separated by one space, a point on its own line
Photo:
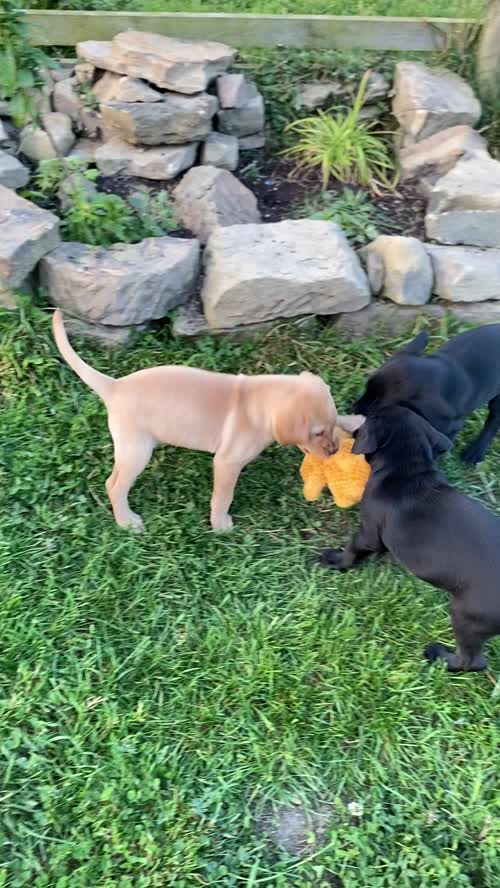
280 194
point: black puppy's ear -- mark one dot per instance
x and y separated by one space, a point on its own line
439 442
415 347
370 437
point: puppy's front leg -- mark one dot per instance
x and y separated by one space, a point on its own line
226 474
364 542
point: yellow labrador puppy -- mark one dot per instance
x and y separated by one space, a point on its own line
233 417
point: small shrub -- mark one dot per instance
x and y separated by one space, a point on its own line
343 147
20 64
109 219
360 220
51 174
155 215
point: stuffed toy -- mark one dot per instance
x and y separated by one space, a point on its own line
343 473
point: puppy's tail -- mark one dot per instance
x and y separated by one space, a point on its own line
101 384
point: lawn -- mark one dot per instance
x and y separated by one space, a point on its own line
445 8
166 699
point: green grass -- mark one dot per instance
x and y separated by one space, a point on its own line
450 9
161 695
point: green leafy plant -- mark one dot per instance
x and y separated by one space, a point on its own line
51 174
21 64
155 214
360 220
342 147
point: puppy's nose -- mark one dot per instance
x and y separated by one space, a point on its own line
334 446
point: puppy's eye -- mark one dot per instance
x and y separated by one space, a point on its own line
318 434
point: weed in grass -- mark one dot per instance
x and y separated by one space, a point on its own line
161 697
342 147
359 218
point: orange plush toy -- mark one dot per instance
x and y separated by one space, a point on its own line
345 474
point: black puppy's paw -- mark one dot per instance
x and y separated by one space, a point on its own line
473 454
332 558
437 651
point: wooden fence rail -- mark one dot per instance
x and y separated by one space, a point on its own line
56 28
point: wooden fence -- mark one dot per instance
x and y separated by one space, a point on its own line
305 31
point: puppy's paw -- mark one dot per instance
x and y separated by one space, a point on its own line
221 522
437 651
332 558
473 454
135 523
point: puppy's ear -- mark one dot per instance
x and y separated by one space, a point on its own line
372 436
351 423
439 442
415 347
290 424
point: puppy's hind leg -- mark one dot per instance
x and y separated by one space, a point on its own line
131 458
476 451
470 636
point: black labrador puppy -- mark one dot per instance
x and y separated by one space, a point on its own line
444 387
436 532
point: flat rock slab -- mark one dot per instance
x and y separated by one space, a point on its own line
385 318
99 54
464 205
126 284
174 121
255 273
400 268
427 100
432 158
185 66
157 164
208 197
26 234
12 172
114 88
319 94
465 274
190 322
106 336
220 150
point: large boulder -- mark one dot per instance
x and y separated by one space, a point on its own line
162 163
26 234
256 273
432 158
427 100
125 284
465 274
208 197
464 205
185 66
400 268
174 121
12 172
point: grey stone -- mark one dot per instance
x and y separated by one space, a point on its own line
387 319
256 273
67 100
41 99
4 108
174 121
102 334
250 143
90 123
77 182
432 158
58 128
427 100
4 135
208 197
116 88
84 73
401 268
190 322
183 66
36 144
319 94
464 205
161 163
98 53
12 172
63 71
85 149
233 90
26 234
377 88
220 150
465 274
244 121
125 284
